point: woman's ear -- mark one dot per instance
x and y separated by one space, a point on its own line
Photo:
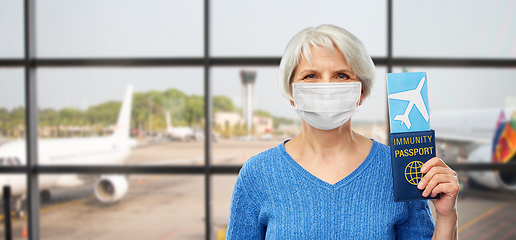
361 97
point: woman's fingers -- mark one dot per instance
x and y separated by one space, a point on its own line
449 189
443 182
433 162
438 178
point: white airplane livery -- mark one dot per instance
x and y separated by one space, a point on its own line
109 150
415 99
181 133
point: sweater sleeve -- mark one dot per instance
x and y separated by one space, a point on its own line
418 224
243 213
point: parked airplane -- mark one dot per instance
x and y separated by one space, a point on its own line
109 150
476 135
414 97
181 133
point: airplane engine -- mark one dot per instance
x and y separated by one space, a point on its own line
490 179
112 188
508 179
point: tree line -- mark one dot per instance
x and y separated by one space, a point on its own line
148 112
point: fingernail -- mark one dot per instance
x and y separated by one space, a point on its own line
420 185
423 169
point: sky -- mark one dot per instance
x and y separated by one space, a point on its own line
96 28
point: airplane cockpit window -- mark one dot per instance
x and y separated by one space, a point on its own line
1 161
9 161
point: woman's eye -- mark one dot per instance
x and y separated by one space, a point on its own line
310 76
342 76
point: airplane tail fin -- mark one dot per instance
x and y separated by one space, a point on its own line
506 147
169 122
403 119
124 117
500 125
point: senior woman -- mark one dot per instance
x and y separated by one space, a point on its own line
330 182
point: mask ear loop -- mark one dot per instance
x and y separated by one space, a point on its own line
361 98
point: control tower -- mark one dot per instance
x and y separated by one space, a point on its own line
248 78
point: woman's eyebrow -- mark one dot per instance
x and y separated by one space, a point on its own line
306 71
347 71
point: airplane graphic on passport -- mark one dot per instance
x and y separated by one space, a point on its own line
402 89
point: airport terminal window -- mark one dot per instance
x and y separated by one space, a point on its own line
170 183
172 95
154 206
84 104
12 114
473 32
11 29
271 24
98 29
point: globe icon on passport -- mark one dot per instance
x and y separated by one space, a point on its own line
413 172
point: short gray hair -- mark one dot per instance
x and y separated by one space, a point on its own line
327 36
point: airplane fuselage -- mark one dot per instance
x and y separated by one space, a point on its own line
67 151
109 150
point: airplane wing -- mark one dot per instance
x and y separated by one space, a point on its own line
459 138
421 106
406 96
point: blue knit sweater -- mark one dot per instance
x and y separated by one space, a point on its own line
275 198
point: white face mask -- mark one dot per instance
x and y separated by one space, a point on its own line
326 106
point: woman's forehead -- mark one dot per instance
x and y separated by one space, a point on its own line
307 52
323 56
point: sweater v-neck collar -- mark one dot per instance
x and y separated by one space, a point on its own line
317 181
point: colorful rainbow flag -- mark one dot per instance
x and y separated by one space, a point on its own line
506 147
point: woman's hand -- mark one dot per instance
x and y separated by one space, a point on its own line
441 179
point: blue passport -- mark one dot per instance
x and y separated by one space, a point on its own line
411 139
409 151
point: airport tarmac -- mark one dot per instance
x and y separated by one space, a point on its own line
172 206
